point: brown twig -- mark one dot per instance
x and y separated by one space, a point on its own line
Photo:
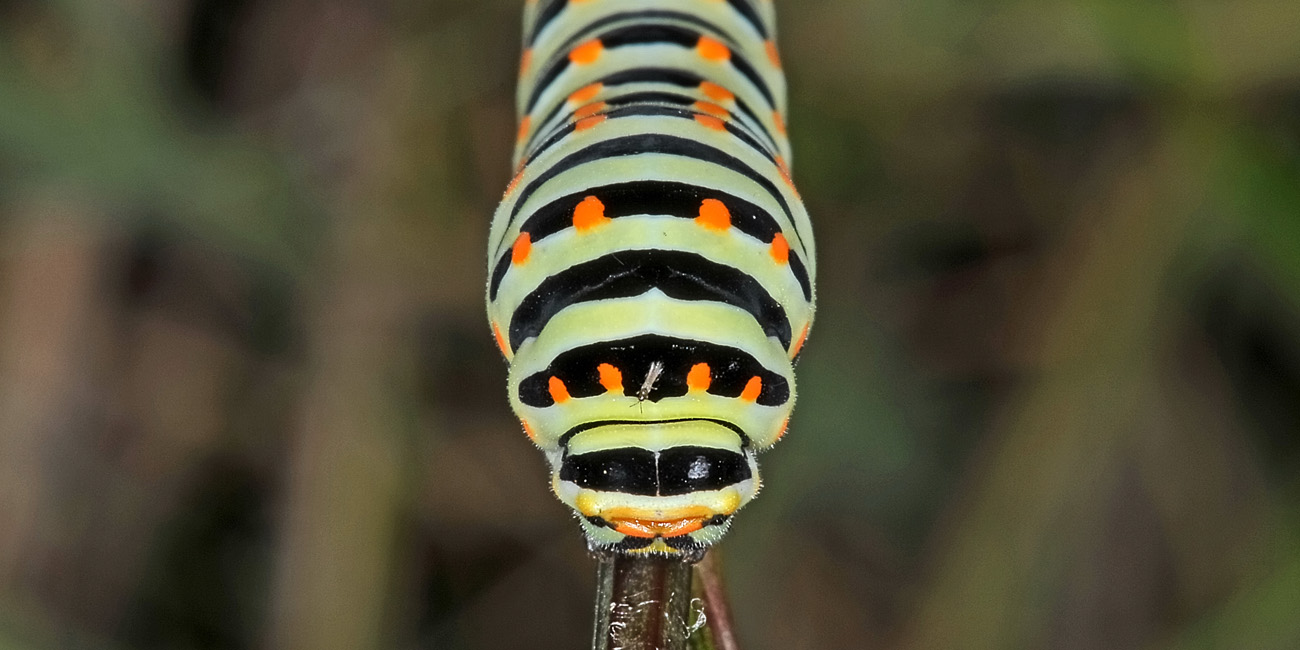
660 603
717 613
642 603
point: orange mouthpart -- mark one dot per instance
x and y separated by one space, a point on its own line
649 528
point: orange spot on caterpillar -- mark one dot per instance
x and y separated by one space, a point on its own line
711 108
772 55
714 215
785 426
798 343
588 110
525 60
779 122
514 181
501 341
588 214
785 175
699 377
632 528
610 378
523 128
711 122
780 249
586 93
711 49
715 92
587 52
588 122
523 246
528 429
559 392
649 528
752 388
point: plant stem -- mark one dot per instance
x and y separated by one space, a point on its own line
717 614
642 603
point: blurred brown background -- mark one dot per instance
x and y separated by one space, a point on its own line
248 398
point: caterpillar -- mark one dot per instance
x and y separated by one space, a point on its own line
651 265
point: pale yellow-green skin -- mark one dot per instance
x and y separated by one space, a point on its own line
652 312
577 14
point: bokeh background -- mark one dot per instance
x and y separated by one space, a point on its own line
248 398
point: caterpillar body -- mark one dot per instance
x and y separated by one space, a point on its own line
651 265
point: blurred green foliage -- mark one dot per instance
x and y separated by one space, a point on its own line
248 398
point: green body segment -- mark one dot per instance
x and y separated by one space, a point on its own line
651 264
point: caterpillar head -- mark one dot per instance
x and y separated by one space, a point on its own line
672 492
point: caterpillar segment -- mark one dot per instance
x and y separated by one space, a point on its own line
651 265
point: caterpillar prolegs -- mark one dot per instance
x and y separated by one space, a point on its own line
651 264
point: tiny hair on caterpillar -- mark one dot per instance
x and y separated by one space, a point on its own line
651 251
